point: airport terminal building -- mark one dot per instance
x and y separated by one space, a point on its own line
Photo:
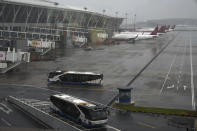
46 20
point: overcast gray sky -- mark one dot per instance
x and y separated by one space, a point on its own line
144 9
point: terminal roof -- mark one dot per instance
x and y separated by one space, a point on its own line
51 4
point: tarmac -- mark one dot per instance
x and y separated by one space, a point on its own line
169 81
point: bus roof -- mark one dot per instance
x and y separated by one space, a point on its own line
77 72
74 100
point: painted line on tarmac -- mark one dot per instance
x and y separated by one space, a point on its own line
147 125
6 122
108 126
51 91
168 74
147 65
5 108
32 86
102 128
192 75
88 89
179 81
35 86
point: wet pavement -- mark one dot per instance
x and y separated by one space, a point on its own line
119 64
168 82
124 121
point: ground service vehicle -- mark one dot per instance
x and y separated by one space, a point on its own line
73 77
88 114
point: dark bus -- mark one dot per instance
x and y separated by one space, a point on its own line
88 114
73 77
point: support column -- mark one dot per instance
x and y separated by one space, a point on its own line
97 21
70 19
89 21
28 15
82 18
15 14
39 14
2 10
49 12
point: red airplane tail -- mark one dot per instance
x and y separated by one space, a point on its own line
155 31
162 29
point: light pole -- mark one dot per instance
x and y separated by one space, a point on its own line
104 11
126 20
85 8
116 28
134 21
82 17
104 18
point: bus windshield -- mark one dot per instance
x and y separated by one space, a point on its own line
98 115
94 115
52 74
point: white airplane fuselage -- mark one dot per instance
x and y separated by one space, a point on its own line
159 33
141 35
136 35
124 36
145 37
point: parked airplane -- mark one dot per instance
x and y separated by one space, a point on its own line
124 37
131 36
136 35
147 31
148 35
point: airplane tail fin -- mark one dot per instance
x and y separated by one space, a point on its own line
162 29
155 31
168 27
173 27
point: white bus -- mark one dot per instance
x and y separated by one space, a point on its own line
88 114
74 77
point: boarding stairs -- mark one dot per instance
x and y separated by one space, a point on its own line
12 66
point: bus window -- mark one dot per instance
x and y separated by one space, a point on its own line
71 109
66 107
52 74
64 78
85 111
